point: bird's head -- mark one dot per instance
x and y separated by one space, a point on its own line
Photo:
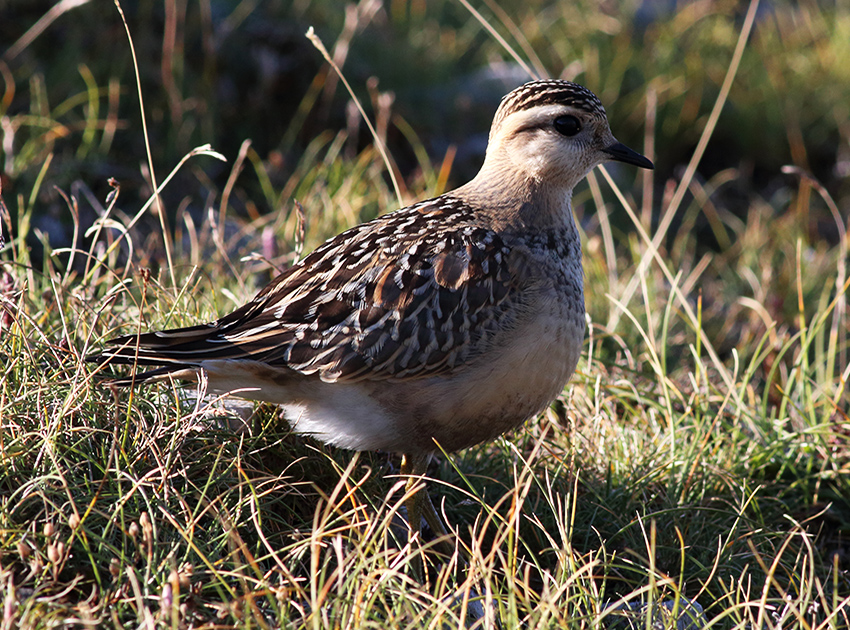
554 132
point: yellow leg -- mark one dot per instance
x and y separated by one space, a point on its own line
419 504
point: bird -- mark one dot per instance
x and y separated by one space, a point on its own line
437 326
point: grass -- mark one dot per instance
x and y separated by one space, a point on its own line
701 451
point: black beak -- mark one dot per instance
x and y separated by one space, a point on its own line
620 152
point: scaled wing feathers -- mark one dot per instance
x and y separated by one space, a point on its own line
410 294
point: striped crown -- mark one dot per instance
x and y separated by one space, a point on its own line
547 92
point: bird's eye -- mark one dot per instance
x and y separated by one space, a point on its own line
567 125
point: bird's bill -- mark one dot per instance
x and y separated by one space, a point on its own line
621 153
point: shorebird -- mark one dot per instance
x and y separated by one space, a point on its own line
437 326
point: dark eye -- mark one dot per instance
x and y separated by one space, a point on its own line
567 125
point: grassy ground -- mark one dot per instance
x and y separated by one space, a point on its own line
701 451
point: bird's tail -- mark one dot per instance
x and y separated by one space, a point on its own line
174 353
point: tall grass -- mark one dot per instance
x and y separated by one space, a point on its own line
701 453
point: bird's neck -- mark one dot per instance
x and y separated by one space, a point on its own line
515 201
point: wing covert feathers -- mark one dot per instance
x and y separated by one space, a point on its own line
410 294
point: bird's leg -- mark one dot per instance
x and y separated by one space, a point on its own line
419 504
432 517
414 468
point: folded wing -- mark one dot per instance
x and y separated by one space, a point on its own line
411 294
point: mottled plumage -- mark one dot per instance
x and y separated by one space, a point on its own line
412 294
